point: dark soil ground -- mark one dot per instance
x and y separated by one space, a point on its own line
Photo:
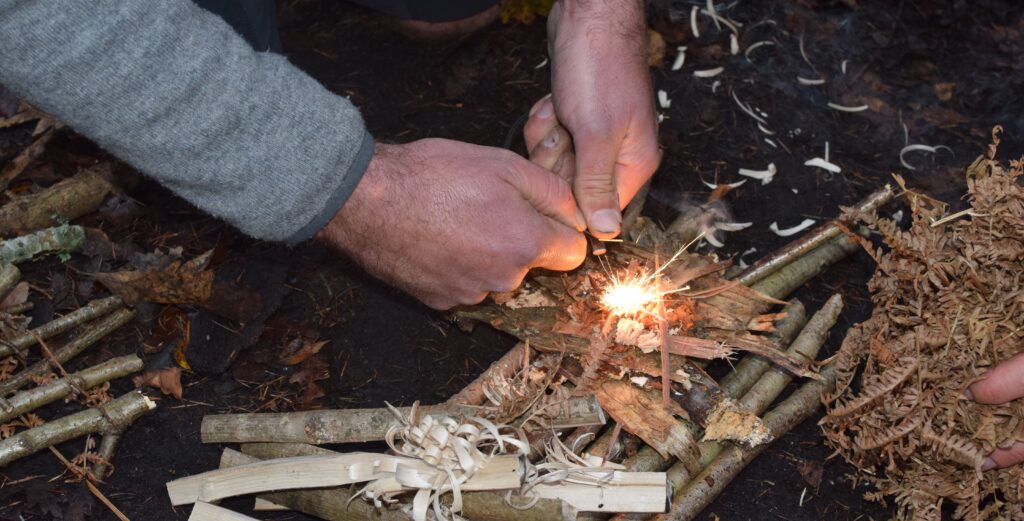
948 70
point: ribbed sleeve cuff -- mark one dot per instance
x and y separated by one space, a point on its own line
348 185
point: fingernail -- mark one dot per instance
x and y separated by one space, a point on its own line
581 222
988 464
606 220
969 394
546 110
552 140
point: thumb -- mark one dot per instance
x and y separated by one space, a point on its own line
1003 383
596 188
549 194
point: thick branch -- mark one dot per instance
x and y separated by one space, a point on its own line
113 416
65 201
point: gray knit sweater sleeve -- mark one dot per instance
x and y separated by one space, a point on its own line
173 90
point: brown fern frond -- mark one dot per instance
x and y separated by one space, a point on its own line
954 448
889 381
870 441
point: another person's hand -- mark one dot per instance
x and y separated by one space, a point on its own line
602 94
1003 383
449 222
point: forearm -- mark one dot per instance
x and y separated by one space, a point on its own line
171 89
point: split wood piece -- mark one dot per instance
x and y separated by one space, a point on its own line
59 239
322 427
711 408
773 382
63 202
817 332
71 349
706 486
17 309
627 492
334 504
504 367
648 460
817 237
108 445
502 472
91 311
640 412
751 367
32 399
113 416
790 277
9 276
17 166
207 512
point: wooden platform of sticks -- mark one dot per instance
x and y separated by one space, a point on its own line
628 335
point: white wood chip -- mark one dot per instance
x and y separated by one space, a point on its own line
541 64
810 81
680 58
734 44
732 227
791 231
714 186
823 164
847 108
663 100
764 175
755 45
920 148
708 73
693 21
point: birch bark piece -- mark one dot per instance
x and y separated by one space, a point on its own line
113 416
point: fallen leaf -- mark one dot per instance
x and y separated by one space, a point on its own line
168 380
811 471
298 350
18 295
177 283
944 91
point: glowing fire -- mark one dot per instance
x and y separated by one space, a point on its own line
629 297
636 294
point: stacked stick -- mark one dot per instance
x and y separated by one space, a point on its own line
755 385
90 324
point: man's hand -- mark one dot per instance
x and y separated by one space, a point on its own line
602 94
449 222
1003 383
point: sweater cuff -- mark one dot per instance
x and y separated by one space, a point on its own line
348 185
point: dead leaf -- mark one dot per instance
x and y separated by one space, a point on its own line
178 283
299 349
18 295
310 372
944 91
811 471
168 380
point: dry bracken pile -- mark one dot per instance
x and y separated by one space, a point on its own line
948 305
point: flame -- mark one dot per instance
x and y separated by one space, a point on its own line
629 297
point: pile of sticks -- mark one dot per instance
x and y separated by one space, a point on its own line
696 464
84 327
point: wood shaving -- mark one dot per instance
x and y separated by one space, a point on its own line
708 73
786 232
947 307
